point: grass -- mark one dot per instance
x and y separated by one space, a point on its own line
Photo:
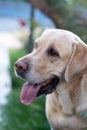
15 115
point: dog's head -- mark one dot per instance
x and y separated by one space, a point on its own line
57 55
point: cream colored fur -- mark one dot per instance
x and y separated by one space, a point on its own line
65 105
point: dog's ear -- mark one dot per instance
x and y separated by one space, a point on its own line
77 64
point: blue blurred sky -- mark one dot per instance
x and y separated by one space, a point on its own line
11 12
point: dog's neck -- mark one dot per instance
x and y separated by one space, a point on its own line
65 99
64 91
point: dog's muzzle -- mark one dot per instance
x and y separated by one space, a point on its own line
31 91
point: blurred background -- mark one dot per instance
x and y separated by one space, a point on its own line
22 21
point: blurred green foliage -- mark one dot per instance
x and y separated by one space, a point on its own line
16 116
60 5
83 3
66 14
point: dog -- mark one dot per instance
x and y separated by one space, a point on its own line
57 68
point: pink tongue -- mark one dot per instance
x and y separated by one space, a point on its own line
29 93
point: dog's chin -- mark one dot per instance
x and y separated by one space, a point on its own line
31 91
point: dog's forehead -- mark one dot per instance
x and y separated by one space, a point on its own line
62 40
57 36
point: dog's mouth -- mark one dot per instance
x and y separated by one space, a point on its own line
31 91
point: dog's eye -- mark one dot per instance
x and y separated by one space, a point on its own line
52 52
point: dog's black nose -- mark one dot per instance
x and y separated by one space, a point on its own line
21 66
